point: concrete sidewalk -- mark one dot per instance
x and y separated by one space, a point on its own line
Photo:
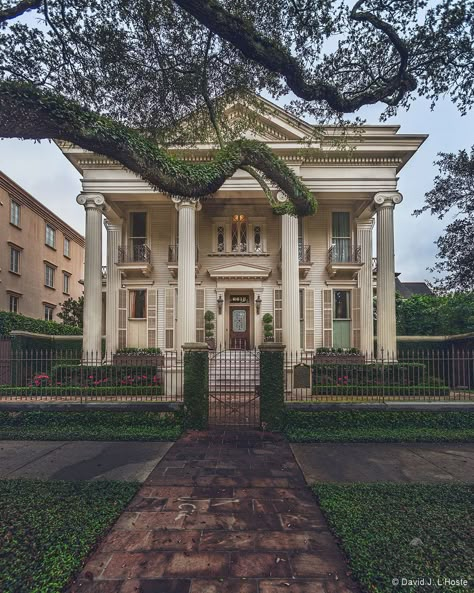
80 460
384 462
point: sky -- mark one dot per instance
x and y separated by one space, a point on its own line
42 170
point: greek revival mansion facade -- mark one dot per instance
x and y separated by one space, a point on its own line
170 261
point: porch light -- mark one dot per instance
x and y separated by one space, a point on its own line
258 303
220 302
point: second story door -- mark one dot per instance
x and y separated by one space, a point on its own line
138 235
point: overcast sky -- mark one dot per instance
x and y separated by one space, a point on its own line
44 172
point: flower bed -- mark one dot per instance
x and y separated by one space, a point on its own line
101 376
58 391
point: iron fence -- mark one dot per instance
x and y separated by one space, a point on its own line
75 376
409 376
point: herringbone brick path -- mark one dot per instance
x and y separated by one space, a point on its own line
221 513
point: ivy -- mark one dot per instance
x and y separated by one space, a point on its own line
15 321
196 389
272 403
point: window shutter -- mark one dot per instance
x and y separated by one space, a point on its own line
169 317
327 318
309 318
356 318
152 317
277 315
200 332
122 318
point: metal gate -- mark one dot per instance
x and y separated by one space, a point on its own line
234 388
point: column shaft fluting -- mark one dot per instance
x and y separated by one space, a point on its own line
92 326
114 238
186 310
290 283
364 241
386 319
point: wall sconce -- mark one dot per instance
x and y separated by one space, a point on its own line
220 302
258 303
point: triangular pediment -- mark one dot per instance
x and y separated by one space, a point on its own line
239 270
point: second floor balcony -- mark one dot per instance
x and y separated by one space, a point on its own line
344 260
173 258
134 258
304 259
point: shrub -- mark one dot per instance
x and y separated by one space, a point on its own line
104 375
140 351
15 321
267 320
370 374
209 325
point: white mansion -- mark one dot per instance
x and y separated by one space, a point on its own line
168 262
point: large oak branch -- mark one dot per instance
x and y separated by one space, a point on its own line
276 58
26 112
7 14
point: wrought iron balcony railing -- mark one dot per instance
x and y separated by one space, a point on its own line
134 254
304 254
350 255
173 254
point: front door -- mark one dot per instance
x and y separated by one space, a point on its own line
239 323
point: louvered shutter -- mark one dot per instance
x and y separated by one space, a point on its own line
356 318
169 317
309 319
200 296
122 318
327 318
152 306
277 315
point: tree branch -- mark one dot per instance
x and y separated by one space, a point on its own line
7 14
278 59
27 113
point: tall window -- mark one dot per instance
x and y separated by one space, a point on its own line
300 239
341 237
66 277
50 238
239 233
14 303
49 276
48 312
257 239
137 234
67 247
341 319
14 260
15 213
220 238
138 304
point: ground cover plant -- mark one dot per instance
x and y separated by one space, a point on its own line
394 531
96 425
47 529
378 426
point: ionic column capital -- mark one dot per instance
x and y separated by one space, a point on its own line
385 199
186 203
90 201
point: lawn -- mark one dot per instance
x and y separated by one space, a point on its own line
379 426
96 425
47 529
392 532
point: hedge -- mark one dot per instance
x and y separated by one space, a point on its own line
391 390
143 390
369 374
16 321
92 376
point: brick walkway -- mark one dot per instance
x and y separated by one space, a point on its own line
221 513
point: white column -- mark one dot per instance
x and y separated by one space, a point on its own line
114 279
186 310
386 321
364 241
290 283
92 332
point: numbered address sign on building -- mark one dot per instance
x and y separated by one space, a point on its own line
239 298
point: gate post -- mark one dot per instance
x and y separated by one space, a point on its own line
196 385
272 385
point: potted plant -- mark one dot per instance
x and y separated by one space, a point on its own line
139 357
267 327
209 329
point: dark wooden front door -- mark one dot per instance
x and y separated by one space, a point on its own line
239 328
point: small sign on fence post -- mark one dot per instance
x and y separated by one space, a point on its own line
302 376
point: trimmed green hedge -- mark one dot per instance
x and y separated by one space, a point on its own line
196 389
92 376
78 391
94 425
379 390
370 374
48 529
16 321
391 532
378 426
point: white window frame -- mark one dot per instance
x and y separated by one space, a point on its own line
67 250
18 258
51 233
48 312
13 298
15 213
46 268
252 222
